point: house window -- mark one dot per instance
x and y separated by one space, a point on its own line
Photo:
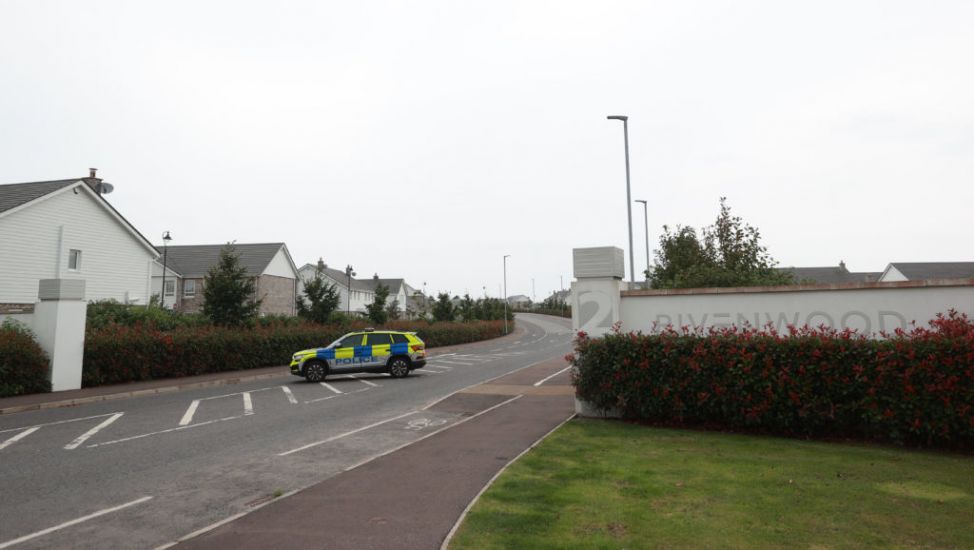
189 288
170 288
74 260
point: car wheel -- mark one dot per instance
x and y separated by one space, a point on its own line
315 371
399 367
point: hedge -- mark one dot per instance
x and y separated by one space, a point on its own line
914 388
23 364
118 353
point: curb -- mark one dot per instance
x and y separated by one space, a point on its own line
139 393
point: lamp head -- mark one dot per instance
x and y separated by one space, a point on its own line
618 117
640 200
166 238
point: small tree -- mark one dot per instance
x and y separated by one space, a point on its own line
393 310
229 293
729 255
443 309
322 300
468 308
377 309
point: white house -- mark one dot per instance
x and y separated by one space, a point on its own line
64 229
357 293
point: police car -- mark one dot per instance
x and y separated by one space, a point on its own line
368 351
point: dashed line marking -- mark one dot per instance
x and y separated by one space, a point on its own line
346 434
546 378
353 377
58 422
84 437
330 387
18 437
289 395
190 411
248 403
180 428
43 532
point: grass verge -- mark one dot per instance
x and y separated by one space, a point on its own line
602 484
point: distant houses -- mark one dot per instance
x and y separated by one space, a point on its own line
270 264
357 293
830 275
918 271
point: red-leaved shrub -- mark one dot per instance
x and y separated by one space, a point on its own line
915 387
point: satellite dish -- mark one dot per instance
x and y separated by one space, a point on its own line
106 188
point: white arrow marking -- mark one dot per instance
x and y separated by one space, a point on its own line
188 416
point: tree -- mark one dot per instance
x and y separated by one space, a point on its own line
377 309
468 308
393 309
730 254
322 300
443 309
229 293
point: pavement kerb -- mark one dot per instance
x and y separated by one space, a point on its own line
463 514
193 385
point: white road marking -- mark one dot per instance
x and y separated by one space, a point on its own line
346 434
238 393
320 399
248 403
58 422
330 387
546 378
188 415
353 377
425 372
437 365
84 437
290 396
461 363
43 532
429 368
197 425
18 437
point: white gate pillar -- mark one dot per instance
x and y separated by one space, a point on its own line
59 323
597 292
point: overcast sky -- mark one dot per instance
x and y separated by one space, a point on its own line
425 140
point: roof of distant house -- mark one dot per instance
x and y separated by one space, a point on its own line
935 270
368 285
829 275
193 261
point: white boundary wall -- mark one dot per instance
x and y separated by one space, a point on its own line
599 300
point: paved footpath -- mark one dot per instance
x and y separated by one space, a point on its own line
412 497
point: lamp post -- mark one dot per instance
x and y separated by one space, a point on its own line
165 250
646 220
349 273
506 256
625 131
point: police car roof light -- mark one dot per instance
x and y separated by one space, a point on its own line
370 329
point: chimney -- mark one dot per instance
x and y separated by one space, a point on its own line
375 277
92 172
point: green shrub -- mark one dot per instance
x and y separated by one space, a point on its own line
104 313
914 388
24 367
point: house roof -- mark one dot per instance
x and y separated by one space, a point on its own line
934 270
193 261
13 196
821 275
367 285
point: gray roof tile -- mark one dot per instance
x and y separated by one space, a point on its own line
915 271
193 261
13 195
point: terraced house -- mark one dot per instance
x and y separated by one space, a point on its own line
270 264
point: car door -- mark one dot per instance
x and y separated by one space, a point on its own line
380 344
348 353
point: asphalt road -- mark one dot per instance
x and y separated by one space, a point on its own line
142 472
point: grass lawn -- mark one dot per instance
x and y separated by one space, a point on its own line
605 484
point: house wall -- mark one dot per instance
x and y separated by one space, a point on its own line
280 266
190 304
277 295
35 242
172 302
892 275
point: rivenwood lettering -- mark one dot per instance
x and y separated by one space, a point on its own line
883 321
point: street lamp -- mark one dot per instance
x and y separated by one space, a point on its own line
506 256
165 250
625 131
349 273
646 219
